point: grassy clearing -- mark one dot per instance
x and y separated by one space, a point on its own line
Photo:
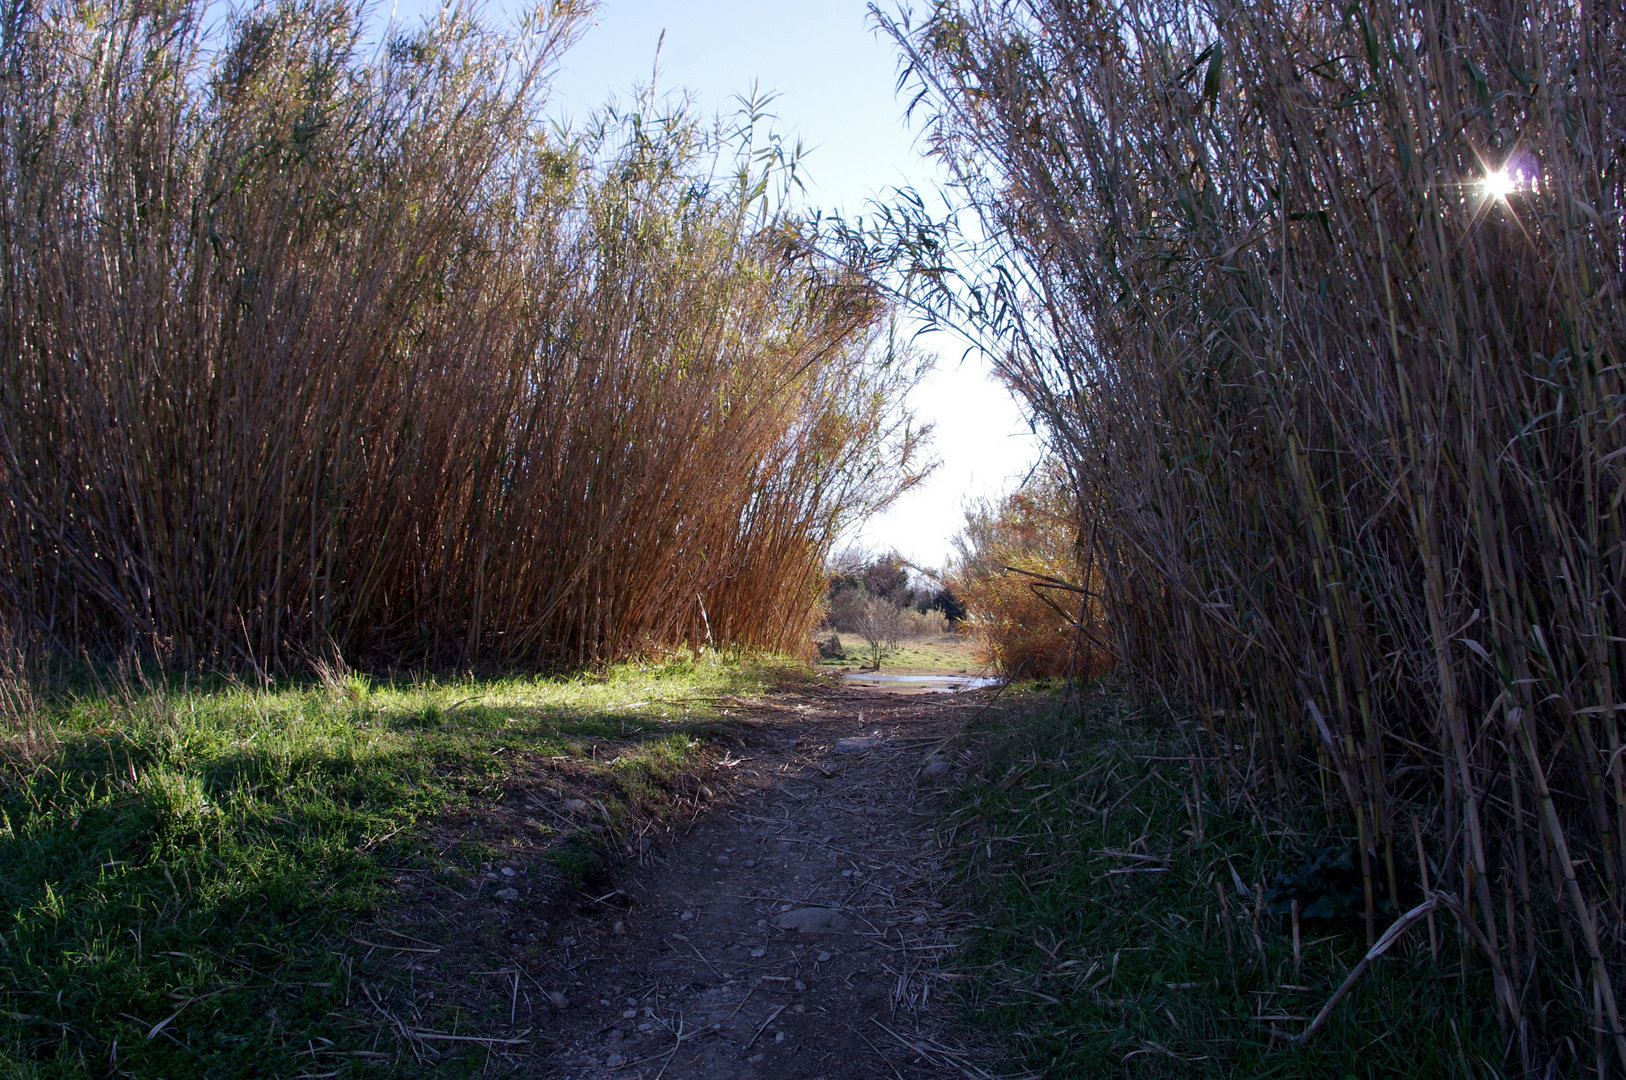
181 862
945 654
1105 952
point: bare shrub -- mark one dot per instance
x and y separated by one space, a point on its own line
881 624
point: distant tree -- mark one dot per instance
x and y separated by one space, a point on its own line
888 578
950 605
880 624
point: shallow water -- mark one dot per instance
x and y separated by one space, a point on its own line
931 683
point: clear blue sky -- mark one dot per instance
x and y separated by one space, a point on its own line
835 80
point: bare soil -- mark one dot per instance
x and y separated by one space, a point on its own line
687 960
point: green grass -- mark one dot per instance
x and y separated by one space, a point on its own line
200 851
1079 972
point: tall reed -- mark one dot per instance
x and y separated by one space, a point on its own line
1321 305
309 344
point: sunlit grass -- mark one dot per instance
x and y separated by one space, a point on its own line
204 848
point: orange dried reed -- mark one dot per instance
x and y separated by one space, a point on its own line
1018 568
308 344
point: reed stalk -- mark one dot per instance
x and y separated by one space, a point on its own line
310 345
1320 306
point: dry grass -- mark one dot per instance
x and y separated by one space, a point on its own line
308 346
1342 417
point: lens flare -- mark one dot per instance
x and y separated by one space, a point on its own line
1500 184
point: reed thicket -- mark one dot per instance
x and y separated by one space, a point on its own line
1321 306
311 343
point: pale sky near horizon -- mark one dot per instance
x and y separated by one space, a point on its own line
834 78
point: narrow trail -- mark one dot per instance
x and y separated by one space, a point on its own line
794 931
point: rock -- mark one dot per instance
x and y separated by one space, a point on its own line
749 863
619 928
687 916
614 1061
558 999
630 1014
575 804
854 746
811 920
779 1036
824 958
507 894
507 871
798 986
919 920
758 952
937 768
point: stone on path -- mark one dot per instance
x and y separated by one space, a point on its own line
853 746
810 920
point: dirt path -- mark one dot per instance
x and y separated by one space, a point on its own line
793 932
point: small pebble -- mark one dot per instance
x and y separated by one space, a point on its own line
723 859
687 916
937 903
824 958
507 871
558 1000
603 1001
614 1061
798 985
798 1008
619 928
758 952
779 1036
784 907
632 1001
508 894
937 768
918 920
761 923
629 1014
750 862
754 1058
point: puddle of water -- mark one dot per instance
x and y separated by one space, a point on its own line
931 683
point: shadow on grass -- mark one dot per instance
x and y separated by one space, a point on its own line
1124 931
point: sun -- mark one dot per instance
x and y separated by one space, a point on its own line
1500 184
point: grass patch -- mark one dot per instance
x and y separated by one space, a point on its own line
946 654
1103 950
182 862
